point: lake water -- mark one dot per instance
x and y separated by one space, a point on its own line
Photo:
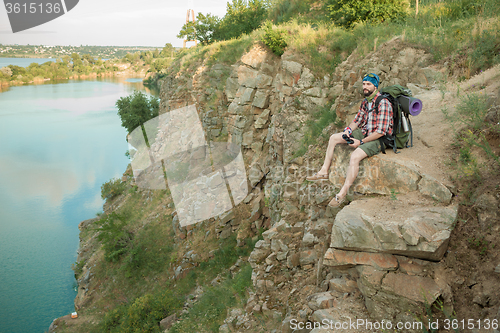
23 62
58 144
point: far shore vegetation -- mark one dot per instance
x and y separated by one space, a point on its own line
87 65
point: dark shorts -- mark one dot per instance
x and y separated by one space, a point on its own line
370 148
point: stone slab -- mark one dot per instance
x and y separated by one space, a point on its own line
344 259
378 225
377 175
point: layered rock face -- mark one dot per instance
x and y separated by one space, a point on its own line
377 257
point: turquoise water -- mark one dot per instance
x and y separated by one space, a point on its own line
58 144
23 62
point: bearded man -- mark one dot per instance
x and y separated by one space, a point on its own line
363 134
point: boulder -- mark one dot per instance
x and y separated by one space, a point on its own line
314 92
258 255
262 119
246 95
395 296
342 285
292 67
319 301
306 79
415 288
261 99
323 316
167 323
308 257
247 77
277 229
381 225
254 57
431 187
377 174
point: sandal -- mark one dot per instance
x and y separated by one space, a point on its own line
317 176
336 202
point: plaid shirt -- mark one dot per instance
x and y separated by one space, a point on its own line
369 121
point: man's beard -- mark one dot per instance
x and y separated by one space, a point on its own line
367 92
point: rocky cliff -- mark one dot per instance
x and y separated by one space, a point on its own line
377 258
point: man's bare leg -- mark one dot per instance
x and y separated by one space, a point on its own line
334 140
352 172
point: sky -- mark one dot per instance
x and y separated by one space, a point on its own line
113 22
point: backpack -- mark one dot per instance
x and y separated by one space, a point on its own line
399 138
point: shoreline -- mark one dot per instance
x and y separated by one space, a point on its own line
37 80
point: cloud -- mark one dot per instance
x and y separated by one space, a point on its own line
28 179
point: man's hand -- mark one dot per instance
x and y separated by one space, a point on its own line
347 138
356 143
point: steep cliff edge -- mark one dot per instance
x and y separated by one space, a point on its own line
384 256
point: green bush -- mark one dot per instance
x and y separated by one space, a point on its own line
143 315
115 239
112 189
347 13
471 110
274 38
486 51
150 251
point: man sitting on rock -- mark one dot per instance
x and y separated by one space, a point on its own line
365 130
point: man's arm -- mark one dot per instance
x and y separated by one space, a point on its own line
383 124
352 126
372 137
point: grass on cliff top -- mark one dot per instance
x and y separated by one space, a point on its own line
470 40
226 52
462 30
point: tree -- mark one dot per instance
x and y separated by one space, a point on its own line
134 110
90 59
206 28
66 59
167 51
348 13
241 17
6 71
77 61
188 31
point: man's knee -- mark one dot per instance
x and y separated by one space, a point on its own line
357 155
336 138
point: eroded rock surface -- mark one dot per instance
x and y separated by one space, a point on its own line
418 231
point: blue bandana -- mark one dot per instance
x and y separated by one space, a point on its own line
372 78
